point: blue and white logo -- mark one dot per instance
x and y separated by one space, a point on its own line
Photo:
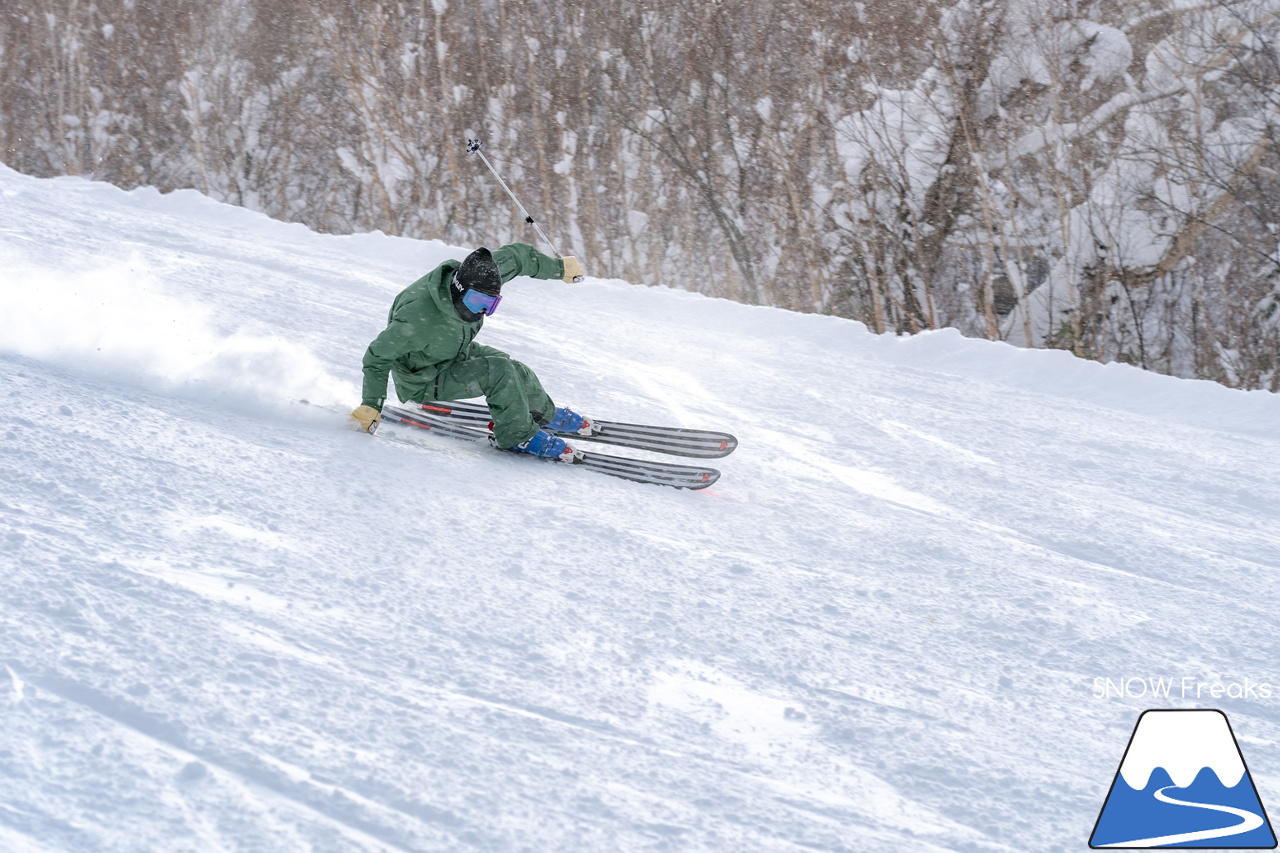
1183 783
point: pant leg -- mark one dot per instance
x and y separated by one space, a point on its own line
516 398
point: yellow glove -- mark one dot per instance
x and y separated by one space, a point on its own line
368 417
572 269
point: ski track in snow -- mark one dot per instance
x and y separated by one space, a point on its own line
229 623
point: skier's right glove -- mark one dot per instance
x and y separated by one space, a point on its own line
572 269
368 417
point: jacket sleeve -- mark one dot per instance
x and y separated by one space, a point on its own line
398 338
516 259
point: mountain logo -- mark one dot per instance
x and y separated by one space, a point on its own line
1183 783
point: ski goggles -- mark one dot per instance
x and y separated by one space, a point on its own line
481 303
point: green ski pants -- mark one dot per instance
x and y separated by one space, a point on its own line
511 389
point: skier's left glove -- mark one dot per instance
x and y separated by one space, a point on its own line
572 269
368 417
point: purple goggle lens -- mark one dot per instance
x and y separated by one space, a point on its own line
481 303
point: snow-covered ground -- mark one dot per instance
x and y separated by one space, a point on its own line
227 622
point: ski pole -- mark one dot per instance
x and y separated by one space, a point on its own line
473 147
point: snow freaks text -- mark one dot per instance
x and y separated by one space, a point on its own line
1185 687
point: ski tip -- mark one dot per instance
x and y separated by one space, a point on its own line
708 480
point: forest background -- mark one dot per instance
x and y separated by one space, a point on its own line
1100 177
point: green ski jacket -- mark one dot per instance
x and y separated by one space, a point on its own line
424 333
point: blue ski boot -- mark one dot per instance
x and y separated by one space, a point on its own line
548 446
567 420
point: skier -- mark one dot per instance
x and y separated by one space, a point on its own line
429 351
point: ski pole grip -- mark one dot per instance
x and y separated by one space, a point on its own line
577 279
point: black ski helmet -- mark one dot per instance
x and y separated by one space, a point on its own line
479 271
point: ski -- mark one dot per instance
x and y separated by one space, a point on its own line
636 470
696 443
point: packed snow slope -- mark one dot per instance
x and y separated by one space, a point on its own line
230 623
